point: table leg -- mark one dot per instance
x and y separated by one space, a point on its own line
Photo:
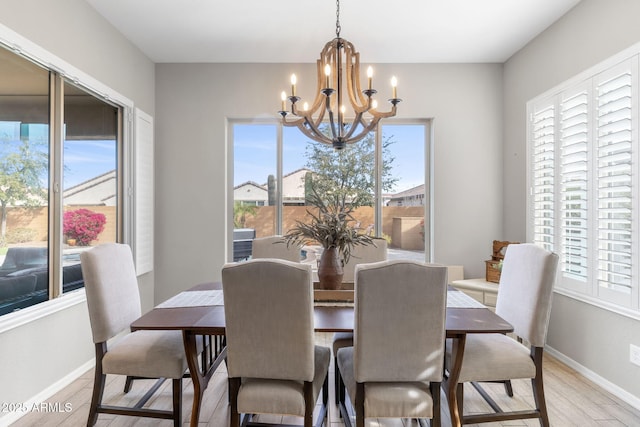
451 383
200 378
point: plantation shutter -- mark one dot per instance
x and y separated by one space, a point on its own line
574 172
543 146
613 129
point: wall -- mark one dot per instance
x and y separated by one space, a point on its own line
193 102
595 339
47 352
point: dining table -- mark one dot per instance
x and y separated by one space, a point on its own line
199 311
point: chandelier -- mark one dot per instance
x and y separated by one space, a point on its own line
338 74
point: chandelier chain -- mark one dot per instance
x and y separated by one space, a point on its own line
338 28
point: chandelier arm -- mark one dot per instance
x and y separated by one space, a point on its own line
313 133
362 133
356 121
384 114
358 100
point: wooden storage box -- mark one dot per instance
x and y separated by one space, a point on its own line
494 265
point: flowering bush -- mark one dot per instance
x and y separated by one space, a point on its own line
83 225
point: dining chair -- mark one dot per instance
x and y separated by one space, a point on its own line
275 247
395 367
361 254
524 300
273 364
113 300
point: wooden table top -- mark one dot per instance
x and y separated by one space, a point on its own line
210 320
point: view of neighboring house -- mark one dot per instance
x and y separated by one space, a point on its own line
411 197
97 191
252 193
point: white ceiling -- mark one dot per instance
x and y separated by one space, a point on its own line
383 31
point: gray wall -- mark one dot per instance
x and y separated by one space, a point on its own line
590 33
39 354
193 102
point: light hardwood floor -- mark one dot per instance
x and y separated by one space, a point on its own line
572 400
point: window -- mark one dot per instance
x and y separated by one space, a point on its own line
60 190
583 175
273 167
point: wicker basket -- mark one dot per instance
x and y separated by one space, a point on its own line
493 272
493 266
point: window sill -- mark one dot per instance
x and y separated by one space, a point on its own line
27 315
622 311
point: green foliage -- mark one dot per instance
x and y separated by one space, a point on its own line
348 175
20 170
330 227
240 213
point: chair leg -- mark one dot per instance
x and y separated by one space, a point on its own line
538 387
309 404
336 384
234 388
99 381
508 388
177 402
128 383
435 397
359 404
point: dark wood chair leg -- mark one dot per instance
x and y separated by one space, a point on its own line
359 404
538 387
128 383
435 397
508 388
234 387
99 381
177 402
460 398
336 383
309 404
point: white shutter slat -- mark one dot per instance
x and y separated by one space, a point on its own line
614 181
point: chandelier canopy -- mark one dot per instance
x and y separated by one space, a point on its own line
338 74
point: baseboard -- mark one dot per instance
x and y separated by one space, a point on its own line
612 388
45 394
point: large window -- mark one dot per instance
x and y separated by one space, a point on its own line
59 188
583 175
383 176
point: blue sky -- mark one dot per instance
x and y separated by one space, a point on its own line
255 153
83 159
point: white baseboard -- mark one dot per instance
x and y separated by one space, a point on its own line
617 391
45 394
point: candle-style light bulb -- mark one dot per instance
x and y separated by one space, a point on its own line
343 109
374 104
327 73
370 76
305 106
294 80
283 96
394 85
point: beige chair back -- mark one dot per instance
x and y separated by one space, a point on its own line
112 291
364 254
525 291
399 330
274 247
268 306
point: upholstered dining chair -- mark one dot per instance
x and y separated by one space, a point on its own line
361 254
524 300
395 367
113 300
273 365
274 247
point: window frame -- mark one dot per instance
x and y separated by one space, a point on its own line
59 301
428 178
590 291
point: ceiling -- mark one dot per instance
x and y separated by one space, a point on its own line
384 31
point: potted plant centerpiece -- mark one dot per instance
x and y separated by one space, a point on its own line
331 228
